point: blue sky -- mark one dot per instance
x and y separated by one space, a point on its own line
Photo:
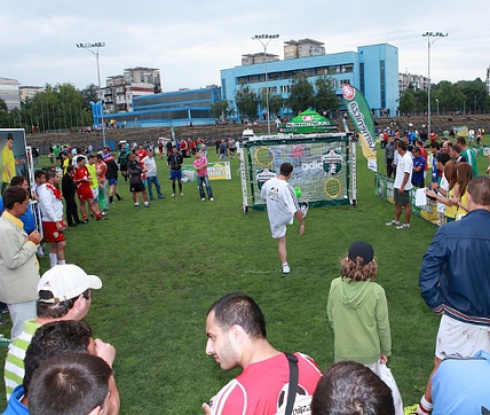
190 41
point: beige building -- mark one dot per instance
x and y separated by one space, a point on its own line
28 92
135 82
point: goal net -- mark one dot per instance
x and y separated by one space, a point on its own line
323 168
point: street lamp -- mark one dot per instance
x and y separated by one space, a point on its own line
431 38
89 47
264 40
437 104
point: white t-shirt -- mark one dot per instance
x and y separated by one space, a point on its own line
281 202
151 166
441 207
405 165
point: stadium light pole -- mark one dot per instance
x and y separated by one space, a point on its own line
265 40
89 47
431 38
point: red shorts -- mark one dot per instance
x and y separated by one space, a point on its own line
51 234
85 194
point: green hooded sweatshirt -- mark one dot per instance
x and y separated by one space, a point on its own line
358 312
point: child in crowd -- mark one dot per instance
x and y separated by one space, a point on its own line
358 311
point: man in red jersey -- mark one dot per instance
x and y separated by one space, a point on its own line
84 192
235 327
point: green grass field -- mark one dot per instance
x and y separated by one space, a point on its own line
163 267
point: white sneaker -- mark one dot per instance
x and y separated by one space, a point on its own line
393 222
211 199
286 269
182 194
304 209
404 226
172 195
203 199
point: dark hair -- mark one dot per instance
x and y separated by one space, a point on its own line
57 310
17 180
51 339
402 145
13 195
70 168
349 388
479 189
39 173
240 309
80 158
443 158
72 384
286 169
457 149
435 145
461 140
50 174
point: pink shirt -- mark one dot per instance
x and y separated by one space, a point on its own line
201 162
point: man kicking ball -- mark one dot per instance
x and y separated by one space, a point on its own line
282 207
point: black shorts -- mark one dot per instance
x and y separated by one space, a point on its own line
137 187
403 198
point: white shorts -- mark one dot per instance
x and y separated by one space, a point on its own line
278 231
462 338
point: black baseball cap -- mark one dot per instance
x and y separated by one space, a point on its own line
363 250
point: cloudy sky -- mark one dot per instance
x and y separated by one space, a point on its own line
191 40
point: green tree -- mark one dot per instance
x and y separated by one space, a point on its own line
302 95
276 102
325 96
247 102
407 102
222 109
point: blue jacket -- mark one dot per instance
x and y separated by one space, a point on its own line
15 407
455 274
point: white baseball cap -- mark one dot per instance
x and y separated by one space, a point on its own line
65 282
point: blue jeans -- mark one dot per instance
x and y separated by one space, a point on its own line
154 181
204 181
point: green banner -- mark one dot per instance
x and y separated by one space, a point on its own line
360 115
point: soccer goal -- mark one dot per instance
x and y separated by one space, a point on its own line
324 168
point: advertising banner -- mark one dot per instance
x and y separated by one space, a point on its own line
360 115
383 187
216 171
13 155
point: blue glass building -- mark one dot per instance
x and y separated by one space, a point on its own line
372 69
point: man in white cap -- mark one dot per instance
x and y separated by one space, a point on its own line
64 293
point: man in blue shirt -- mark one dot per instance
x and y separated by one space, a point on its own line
418 168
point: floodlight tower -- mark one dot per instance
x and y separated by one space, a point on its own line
431 38
89 47
265 39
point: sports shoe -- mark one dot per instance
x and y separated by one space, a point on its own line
286 269
148 205
392 222
404 226
172 195
211 199
203 199
182 194
304 209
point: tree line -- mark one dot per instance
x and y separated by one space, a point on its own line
462 97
